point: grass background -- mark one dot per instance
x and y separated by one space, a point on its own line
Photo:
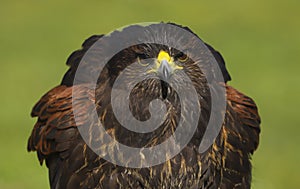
260 41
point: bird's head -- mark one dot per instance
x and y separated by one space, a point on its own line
162 55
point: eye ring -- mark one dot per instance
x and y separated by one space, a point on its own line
140 57
181 57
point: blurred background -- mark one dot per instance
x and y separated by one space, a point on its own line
260 41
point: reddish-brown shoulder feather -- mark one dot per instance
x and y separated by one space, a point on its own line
247 115
238 139
54 131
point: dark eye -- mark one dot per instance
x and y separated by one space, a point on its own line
142 59
142 55
181 57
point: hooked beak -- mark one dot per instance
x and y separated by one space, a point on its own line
165 65
164 70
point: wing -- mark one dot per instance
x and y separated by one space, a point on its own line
239 139
247 117
55 136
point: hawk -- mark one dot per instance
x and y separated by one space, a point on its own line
72 163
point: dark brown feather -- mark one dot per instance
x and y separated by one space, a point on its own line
72 164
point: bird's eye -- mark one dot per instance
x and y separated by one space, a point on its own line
181 57
141 55
142 59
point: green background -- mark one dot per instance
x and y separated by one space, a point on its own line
260 41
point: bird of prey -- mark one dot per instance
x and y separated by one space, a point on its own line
73 164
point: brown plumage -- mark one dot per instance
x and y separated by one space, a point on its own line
72 164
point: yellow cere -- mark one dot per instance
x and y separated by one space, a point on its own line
163 55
